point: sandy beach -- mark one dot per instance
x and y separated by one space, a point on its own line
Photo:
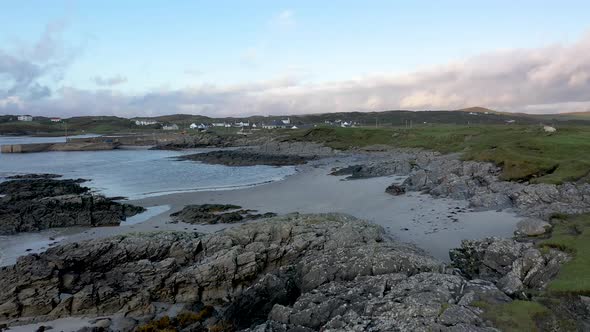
435 225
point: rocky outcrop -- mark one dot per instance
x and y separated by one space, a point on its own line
33 176
216 213
199 140
36 203
246 158
298 272
513 266
477 182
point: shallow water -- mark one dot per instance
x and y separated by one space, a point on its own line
135 173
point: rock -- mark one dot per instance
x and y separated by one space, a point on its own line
513 266
198 140
33 204
245 158
395 190
34 176
532 227
216 213
304 272
348 170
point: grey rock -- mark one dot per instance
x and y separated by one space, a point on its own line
532 227
513 266
246 158
291 273
33 204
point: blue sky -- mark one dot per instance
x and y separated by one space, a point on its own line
270 55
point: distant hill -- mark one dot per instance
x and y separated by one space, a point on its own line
110 124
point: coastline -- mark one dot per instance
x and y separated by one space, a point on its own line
435 225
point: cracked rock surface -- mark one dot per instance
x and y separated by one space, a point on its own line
326 272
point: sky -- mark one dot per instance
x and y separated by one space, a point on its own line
232 58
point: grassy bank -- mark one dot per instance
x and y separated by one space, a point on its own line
526 153
514 316
571 234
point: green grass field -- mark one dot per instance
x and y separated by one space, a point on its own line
526 153
514 316
572 234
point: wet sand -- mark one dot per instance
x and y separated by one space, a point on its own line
436 225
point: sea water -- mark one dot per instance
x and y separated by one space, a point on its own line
135 173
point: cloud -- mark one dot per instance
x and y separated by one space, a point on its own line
284 19
26 73
550 79
109 81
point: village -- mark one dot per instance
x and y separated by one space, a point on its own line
245 126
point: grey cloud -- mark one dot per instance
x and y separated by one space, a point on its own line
26 73
555 78
109 81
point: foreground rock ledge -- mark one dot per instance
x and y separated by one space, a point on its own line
303 272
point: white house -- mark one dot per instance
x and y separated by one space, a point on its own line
273 125
286 121
145 122
218 124
199 127
242 124
170 127
25 118
55 119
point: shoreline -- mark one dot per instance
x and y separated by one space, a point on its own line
435 225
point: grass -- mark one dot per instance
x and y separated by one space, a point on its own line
514 316
526 153
572 234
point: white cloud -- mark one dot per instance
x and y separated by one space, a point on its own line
548 79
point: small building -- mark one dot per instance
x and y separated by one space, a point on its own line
145 122
242 124
218 124
199 126
286 121
170 127
55 119
274 125
27 118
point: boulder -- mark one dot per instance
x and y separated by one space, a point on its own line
395 190
532 227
